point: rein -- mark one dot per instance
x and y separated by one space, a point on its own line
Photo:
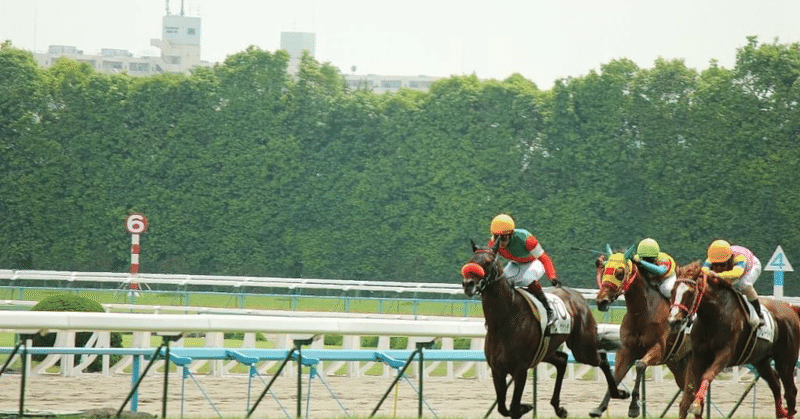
698 295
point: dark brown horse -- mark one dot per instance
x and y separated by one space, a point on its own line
644 333
513 333
721 337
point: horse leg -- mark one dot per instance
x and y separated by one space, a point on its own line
641 366
721 359
500 388
633 409
694 375
624 360
517 409
559 360
764 368
786 372
616 393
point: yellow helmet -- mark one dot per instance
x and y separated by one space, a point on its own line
502 224
648 248
719 251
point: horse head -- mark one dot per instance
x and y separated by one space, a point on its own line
687 293
482 269
615 271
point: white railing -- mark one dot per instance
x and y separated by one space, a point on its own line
237 282
282 330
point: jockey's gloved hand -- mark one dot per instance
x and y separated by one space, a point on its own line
636 258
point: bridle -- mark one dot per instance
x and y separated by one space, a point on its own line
619 287
487 279
699 287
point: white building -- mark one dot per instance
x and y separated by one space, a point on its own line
179 44
180 52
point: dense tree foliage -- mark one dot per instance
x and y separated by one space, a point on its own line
243 169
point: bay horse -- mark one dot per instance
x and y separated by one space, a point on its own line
513 333
644 332
721 337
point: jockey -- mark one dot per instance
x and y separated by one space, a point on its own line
656 266
527 260
736 266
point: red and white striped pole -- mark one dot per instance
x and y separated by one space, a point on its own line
136 224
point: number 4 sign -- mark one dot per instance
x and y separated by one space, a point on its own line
779 264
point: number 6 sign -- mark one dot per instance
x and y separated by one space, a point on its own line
136 223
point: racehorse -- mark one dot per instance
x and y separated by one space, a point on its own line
513 333
644 332
723 337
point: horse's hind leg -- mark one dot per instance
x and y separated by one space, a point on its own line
765 370
624 360
786 373
559 360
616 393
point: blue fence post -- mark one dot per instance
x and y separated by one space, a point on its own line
134 378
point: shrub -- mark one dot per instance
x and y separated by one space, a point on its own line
73 303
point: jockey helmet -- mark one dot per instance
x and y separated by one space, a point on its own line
648 248
502 224
719 251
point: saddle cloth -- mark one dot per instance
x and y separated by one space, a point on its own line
767 331
563 323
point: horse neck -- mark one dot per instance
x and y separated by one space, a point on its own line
641 298
498 302
716 301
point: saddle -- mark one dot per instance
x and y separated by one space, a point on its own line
766 332
561 326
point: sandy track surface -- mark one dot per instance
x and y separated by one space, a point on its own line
450 398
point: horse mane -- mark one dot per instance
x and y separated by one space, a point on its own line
692 270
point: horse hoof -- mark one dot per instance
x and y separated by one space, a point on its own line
696 408
633 411
595 413
561 412
622 394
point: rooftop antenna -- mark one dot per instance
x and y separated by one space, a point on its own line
166 7
181 7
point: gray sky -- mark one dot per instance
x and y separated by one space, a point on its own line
542 40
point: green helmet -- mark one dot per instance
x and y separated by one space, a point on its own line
648 248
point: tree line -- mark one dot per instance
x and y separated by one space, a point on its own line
244 169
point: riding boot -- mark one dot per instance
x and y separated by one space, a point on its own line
757 305
536 290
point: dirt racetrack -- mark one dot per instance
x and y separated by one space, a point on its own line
450 398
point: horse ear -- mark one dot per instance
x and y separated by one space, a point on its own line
608 251
630 252
474 247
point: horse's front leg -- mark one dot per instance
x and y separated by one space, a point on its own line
517 408
721 359
500 387
559 360
624 360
